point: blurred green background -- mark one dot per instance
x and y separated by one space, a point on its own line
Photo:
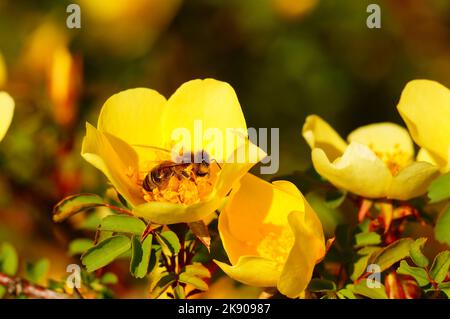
285 59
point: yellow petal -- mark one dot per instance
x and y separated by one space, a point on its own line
425 107
206 107
135 116
425 156
412 181
116 159
6 112
359 171
170 213
385 138
308 249
319 134
253 271
3 71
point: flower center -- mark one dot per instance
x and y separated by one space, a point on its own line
394 160
178 182
276 246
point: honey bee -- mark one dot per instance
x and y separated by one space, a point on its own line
161 173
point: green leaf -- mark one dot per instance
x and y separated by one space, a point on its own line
123 224
391 254
74 204
329 216
321 285
198 270
163 283
373 293
346 293
441 229
37 271
419 274
140 256
105 252
198 283
79 246
439 189
367 239
109 279
416 253
439 269
9 260
335 198
360 266
170 244
2 292
445 287
179 292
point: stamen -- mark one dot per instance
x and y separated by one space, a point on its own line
276 246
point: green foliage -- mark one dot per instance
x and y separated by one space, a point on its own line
441 229
321 285
391 254
439 190
362 288
367 239
105 252
362 259
140 256
74 204
197 282
326 207
37 271
109 279
9 260
79 246
198 270
122 224
440 266
419 274
170 244
163 281
416 254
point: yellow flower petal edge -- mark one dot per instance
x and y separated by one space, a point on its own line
425 107
359 170
253 271
268 224
6 112
319 134
114 158
412 181
386 139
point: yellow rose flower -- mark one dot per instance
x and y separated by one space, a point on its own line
378 162
425 107
136 124
6 113
271 235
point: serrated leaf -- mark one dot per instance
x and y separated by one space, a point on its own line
200 230
170 244
74 204
439 189
373 293
419 274
367 239
321 285
9 260
163 283
198 270
123 224
195 281
441 229
440 266
105 252
416 254
391 254
79 246
140 256
37 271
109 279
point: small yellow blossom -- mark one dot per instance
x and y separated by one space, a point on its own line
425 107
134 131
378 162
271 235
